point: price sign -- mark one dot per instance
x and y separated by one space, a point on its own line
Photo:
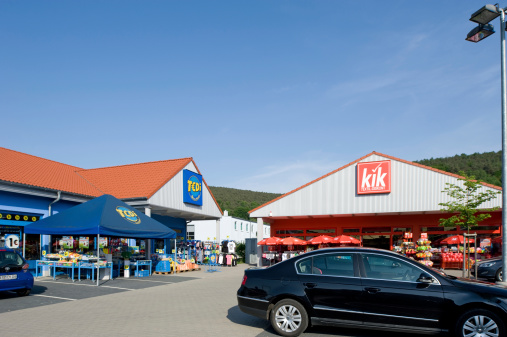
43 253
12 241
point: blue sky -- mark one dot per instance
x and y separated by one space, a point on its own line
264 95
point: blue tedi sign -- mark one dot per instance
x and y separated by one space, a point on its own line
192 188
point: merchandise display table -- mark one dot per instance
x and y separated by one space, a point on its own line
53 265
142 263
93 266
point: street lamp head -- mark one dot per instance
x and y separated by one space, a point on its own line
480 33
485 14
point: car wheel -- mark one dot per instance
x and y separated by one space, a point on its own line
23 292
479 322
498 275
289 318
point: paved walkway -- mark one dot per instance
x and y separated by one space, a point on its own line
204 306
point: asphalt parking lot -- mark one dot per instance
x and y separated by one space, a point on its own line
47 291
191 303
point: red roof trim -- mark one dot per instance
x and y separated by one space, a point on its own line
358 160
185 163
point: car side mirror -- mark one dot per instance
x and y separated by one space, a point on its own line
425 278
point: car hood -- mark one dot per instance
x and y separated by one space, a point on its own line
481 286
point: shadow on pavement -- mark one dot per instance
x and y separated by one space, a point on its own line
235 315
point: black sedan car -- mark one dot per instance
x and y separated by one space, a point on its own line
490 269
372 289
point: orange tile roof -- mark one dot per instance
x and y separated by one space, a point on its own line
127 181
135 180
358 160
29 170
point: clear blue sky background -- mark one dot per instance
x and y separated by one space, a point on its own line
264 95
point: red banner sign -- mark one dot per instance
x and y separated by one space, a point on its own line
374 177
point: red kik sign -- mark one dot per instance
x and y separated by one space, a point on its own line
374 177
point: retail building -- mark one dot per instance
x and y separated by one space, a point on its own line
231 228
376 199
173 192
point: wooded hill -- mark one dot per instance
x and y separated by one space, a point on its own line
484 166
239 202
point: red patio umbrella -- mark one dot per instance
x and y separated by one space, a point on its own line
290 241
320 239
273 241
455 240
345 239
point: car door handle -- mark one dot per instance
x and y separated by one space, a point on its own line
372 290
310 285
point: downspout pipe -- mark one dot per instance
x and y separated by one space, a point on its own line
58 196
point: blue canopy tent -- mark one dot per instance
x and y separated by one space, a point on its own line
106 216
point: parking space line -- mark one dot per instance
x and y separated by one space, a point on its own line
133 279
88 285
60 298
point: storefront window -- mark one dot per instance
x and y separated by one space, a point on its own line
376 229
377 241
320 231
402 229
295 231
351 230
32 248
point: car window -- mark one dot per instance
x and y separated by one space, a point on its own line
304 266
389 268
10 258
338 264
335 264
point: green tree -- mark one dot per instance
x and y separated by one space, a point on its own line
240 251
467 200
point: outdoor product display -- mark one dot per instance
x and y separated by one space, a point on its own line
423 252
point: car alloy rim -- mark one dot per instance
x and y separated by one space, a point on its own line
478 326
288 318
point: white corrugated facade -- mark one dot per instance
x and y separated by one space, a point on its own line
170 196
413 189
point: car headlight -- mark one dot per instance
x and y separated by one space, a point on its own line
487 264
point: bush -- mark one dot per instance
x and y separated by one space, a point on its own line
240 251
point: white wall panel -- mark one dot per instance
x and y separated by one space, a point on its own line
413 189
171 196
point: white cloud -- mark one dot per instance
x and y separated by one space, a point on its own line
286 177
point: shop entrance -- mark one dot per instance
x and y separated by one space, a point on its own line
377 241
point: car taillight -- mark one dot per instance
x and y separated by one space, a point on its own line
25 267
244 280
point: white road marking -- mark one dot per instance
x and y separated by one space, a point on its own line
87 285
60 298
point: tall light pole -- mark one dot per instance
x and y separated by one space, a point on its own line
483 16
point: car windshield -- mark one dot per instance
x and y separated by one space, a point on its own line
10 259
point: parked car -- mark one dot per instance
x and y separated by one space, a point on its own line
373 289
489 269
14 274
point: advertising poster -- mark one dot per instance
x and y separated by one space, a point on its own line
84 242
67 242
102 242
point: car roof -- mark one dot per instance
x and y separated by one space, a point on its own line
350 249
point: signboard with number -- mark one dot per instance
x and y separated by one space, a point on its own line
12 241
